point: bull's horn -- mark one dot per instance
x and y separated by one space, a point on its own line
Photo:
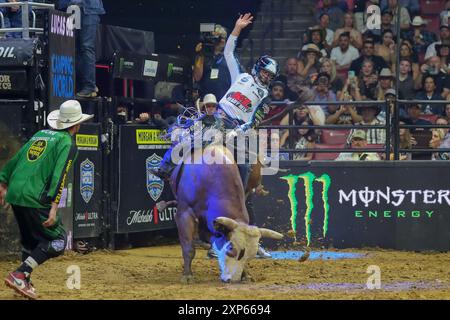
227 222
267 233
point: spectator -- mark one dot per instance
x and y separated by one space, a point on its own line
12 18
303 139
446 141
386 24
322 92
386 49
443 121
433 68
405 18
436 142
86 43
429 93
335 13
210 68
336 83
360 13
350 91
387 18
412 6
309 65
386 79
444 38
209 105
358 141
344 54
355 35
419 36
316 35
155 121
291 79
301 113
444 14
447 112
344 114
368 54
443 53
369 118
406 87
406 142
276 94
324 22
406 52
414 112
368 81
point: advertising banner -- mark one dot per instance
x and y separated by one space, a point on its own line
87 220
61 59
352 205
142 148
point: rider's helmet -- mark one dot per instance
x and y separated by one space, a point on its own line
270 66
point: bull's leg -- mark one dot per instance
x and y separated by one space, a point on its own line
186 230
246 276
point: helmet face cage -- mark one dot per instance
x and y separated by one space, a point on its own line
266 63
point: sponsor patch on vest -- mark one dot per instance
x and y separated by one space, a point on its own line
36 150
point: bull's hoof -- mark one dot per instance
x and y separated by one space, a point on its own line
187 279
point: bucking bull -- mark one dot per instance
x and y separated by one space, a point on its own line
211 207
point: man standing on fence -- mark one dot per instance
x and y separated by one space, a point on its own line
86 42
32 183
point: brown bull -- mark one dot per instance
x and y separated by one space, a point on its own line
211 202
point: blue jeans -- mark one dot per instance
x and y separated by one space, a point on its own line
85 52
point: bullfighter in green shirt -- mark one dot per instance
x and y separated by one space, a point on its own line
32 183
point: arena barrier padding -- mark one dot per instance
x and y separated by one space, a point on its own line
394 205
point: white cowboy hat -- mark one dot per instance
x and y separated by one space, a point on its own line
418 21
209 99
68 115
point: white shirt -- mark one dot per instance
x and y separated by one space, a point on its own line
330 36
245 94
343 58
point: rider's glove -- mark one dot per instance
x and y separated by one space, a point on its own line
244 127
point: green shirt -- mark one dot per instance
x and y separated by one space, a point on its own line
36 175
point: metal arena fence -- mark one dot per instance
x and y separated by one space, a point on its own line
391 127
25 7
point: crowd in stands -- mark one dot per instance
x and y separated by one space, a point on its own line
344 59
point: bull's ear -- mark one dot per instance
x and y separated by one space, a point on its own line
267 233
228 223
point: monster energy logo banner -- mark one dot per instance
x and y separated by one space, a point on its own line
308 180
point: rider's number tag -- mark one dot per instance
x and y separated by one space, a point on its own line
214 73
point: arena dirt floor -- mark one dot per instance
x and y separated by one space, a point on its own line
154 273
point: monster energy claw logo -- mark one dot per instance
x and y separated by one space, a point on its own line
308 180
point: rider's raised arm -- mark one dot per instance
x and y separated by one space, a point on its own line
230 58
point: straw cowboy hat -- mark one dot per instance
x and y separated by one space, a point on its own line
386 73
360 134
209 99
311 47
68 115
418 21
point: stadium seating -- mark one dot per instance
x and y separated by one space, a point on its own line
431 7
334 137
328 156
